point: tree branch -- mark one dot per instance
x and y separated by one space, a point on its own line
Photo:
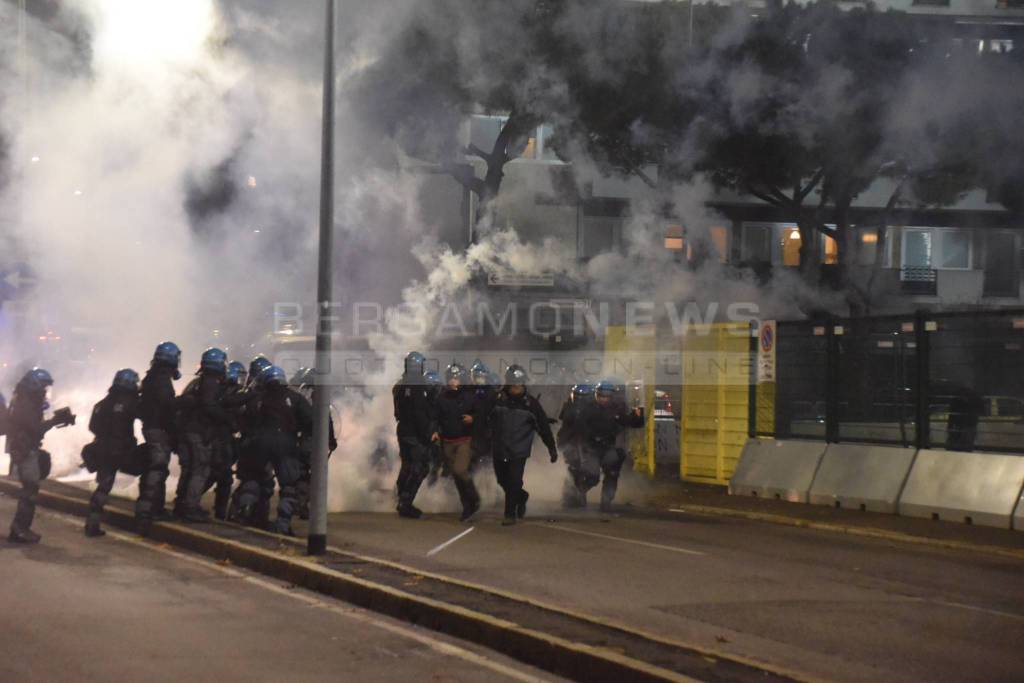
766 197
639 173
473 150
813 183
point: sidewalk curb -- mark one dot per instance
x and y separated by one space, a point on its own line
865 532
551 653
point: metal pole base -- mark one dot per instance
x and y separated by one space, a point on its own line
316 544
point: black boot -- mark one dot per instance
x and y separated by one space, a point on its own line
195 516
26 536
409 511
92 527
470 510
521 505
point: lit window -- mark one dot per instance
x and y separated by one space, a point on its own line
674 238
954 249
831 251
936 248
720 238
791 245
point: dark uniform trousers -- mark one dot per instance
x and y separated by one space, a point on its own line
29 474
153 487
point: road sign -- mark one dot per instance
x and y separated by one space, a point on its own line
766 351
513 280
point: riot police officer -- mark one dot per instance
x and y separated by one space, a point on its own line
157 412
600 423
225 451
204 423
257 365
483 392
25 431
515 418
569 441
238 373
417 432
279 417
302 381
113 425
255 476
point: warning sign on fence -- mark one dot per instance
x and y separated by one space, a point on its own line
766 336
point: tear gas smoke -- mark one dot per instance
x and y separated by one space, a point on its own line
162 163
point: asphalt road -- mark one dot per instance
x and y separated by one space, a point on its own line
119 608
831 606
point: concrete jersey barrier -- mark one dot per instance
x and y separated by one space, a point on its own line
772 468
977 488
861 476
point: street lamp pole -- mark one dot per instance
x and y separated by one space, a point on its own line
317 538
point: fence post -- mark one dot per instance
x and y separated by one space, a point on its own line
831 382
923 389
752 401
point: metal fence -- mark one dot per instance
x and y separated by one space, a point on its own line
929 380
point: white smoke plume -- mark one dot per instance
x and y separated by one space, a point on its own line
161 164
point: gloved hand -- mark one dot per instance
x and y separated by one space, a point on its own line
553 452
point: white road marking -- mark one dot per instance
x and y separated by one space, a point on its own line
354 613
435 551
657 546
973 608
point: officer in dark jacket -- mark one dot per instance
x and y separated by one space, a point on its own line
279 417
456 408
515 418
417 432
25 431
225 452
157 412
569 442
113 425
204 424
600 423
302 382
483 391
255 476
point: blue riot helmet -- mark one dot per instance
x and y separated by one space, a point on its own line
581 391
273 376
214 360
167 353
35 380
236 373
303 377
479 372
608 389
515 375
126 380
432 379
455 371
414 363
257 365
